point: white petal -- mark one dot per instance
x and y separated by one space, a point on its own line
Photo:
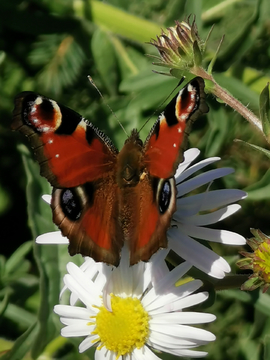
199 255
87 284
143 278
88 298
189 156
211 218
196 167
182 352
211 199
159 268
202 179
72 312
47 198
215 235
104 354
88 342
88 324
54 237
79 328
170 341
182 318
188 301
184 332
167 281
144 353
164 301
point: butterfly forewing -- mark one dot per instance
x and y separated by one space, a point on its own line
63 143
167 140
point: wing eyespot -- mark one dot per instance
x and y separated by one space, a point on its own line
71 204
166 194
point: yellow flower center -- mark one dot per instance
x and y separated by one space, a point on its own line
123 329
262 260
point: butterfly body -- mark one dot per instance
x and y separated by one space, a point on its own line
102 197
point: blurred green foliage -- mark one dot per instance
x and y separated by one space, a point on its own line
50 47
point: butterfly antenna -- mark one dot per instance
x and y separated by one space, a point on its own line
97 89
179 83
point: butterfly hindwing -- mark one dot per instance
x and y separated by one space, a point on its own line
88 215
156 203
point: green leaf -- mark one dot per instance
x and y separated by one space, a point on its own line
123 23
218 131
61 58
266 347
255 147
105 59
264 111
260 190
17 257
22 345
259 300
46 256
20 316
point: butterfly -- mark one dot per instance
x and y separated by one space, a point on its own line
103 197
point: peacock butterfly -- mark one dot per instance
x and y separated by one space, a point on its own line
101 197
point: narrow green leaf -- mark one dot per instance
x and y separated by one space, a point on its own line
255 147
22 345
17 257
123 23
46 256
256 298
212 62
4 304
266 346
260 190
264 111
61 58
20 316
105 59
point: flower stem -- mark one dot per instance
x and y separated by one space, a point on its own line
235 104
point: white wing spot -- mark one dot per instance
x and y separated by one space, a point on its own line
83 124
38 100
57 155
179 130
50 141
183 117
174 145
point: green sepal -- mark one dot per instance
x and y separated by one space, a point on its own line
252 284
197 54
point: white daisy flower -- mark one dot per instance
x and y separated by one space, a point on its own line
129 312
193 214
